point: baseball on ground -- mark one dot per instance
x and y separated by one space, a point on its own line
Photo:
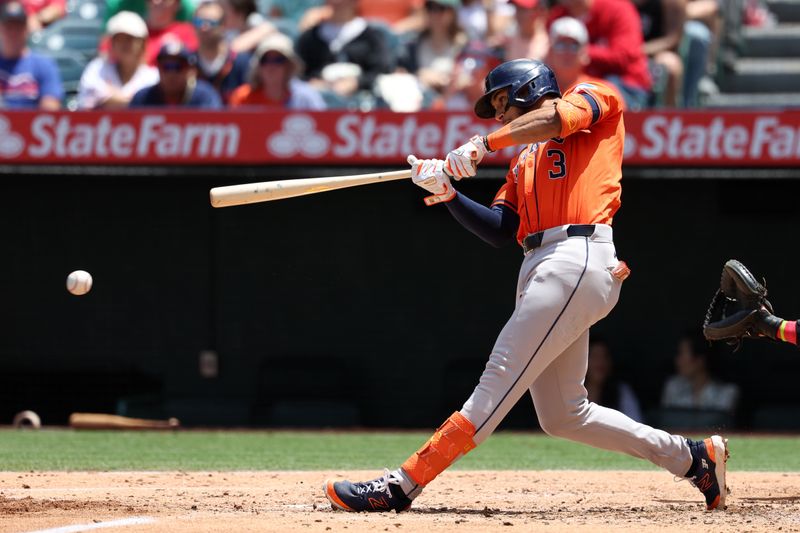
79 282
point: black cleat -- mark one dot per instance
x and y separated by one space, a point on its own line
379 495
711 456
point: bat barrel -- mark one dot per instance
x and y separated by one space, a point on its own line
250 193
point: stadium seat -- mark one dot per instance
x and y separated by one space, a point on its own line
86 9
70 67
74 34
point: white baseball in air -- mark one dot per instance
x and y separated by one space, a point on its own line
79 282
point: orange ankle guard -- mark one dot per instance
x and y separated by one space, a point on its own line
452 440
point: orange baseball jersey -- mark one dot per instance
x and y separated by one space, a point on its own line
573 179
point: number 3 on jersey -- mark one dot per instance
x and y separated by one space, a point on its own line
559 161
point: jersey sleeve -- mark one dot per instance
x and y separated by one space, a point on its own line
49 78
92 89
585 105
507 195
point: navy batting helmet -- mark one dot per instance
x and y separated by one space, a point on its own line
527 80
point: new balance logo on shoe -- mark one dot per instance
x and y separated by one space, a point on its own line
709 457
704 483
379 505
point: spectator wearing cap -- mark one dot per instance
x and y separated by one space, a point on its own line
110 81
615 45
42 13
217 64
568 55
163 26
662 28
273 79
27 80
346 37
530 39
433 55
178 84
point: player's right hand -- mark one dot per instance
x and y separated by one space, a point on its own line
429 174
463 161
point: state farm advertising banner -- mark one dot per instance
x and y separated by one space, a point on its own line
379 138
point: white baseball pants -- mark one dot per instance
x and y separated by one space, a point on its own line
565 285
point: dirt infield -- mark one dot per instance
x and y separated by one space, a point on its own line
468 501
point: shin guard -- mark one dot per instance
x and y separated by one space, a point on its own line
452 440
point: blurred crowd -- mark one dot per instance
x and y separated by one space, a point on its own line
694 396
403 55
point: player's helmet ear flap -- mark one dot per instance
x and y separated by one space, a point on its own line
527 81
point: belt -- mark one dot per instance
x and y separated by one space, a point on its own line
534 240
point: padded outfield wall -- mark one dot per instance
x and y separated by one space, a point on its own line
358 307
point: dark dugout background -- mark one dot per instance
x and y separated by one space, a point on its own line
352 308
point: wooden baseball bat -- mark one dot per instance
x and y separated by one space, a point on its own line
104 421
251 193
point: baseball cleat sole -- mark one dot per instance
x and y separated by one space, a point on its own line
720 458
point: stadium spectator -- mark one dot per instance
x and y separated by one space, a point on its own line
694 386
217 64
163 26
615 45
245 27
42 13
472 66
604 387
346 38
292 11
110 81
185 9
433 55
568 55
402 16
27 79
662 29
399 16
488 21
178 84
701 42
273 79
530 38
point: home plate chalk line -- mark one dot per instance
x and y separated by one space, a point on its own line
132 521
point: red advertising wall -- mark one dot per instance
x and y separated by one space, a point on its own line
674 138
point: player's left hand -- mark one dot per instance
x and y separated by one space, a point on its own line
429 174
463 161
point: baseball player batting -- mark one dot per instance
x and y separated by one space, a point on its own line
558 200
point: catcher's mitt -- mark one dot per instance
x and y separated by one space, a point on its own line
736 309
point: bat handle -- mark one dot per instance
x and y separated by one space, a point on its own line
412 160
